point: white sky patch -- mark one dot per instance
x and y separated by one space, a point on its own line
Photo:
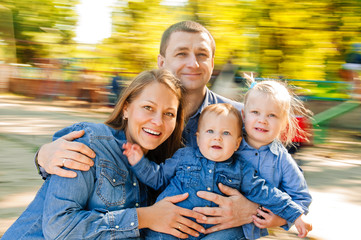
174 3
95 21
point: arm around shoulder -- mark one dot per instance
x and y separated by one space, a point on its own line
64 151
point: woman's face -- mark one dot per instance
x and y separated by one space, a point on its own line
151 116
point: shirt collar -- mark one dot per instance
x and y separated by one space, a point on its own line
274 146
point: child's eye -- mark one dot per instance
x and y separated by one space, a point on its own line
209 131
202 55
226 133
272 115
254 112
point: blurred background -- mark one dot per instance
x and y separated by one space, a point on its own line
64 61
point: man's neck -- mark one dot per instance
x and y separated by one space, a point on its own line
193 100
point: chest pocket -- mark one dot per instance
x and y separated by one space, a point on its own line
190 175
229 181
111 187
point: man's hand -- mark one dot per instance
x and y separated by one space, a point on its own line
65 153
232 211
164 216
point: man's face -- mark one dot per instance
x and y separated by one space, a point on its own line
189 57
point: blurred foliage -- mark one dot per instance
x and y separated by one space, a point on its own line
41 28
293 39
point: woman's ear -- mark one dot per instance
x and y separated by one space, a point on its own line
125 110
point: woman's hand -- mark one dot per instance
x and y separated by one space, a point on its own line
64 152
270 219
232 211
168 218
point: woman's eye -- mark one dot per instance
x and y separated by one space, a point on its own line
169 114
147 108
209 131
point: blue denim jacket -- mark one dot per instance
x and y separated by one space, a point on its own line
97 204
274 164
189 132
189 171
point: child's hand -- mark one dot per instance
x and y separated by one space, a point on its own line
133 152
302 227
269 219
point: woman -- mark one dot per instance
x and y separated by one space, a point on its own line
108 201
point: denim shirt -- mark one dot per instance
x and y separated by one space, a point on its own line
189 171
274 164
190 129
97 204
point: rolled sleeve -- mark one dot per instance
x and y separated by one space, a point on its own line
124 223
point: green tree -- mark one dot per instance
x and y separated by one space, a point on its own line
39 24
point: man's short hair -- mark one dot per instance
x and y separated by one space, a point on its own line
184 26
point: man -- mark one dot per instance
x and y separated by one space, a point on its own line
187 49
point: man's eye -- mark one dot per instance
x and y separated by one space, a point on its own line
209 131
181 54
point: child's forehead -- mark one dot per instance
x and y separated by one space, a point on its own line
216 117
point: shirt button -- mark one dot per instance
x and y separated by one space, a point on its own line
117 227
113 180
210 171
134 184
188 167
256 154
137 204
229 180
132 224
208 188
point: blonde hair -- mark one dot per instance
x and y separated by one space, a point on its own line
222 108
136 87
290 104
